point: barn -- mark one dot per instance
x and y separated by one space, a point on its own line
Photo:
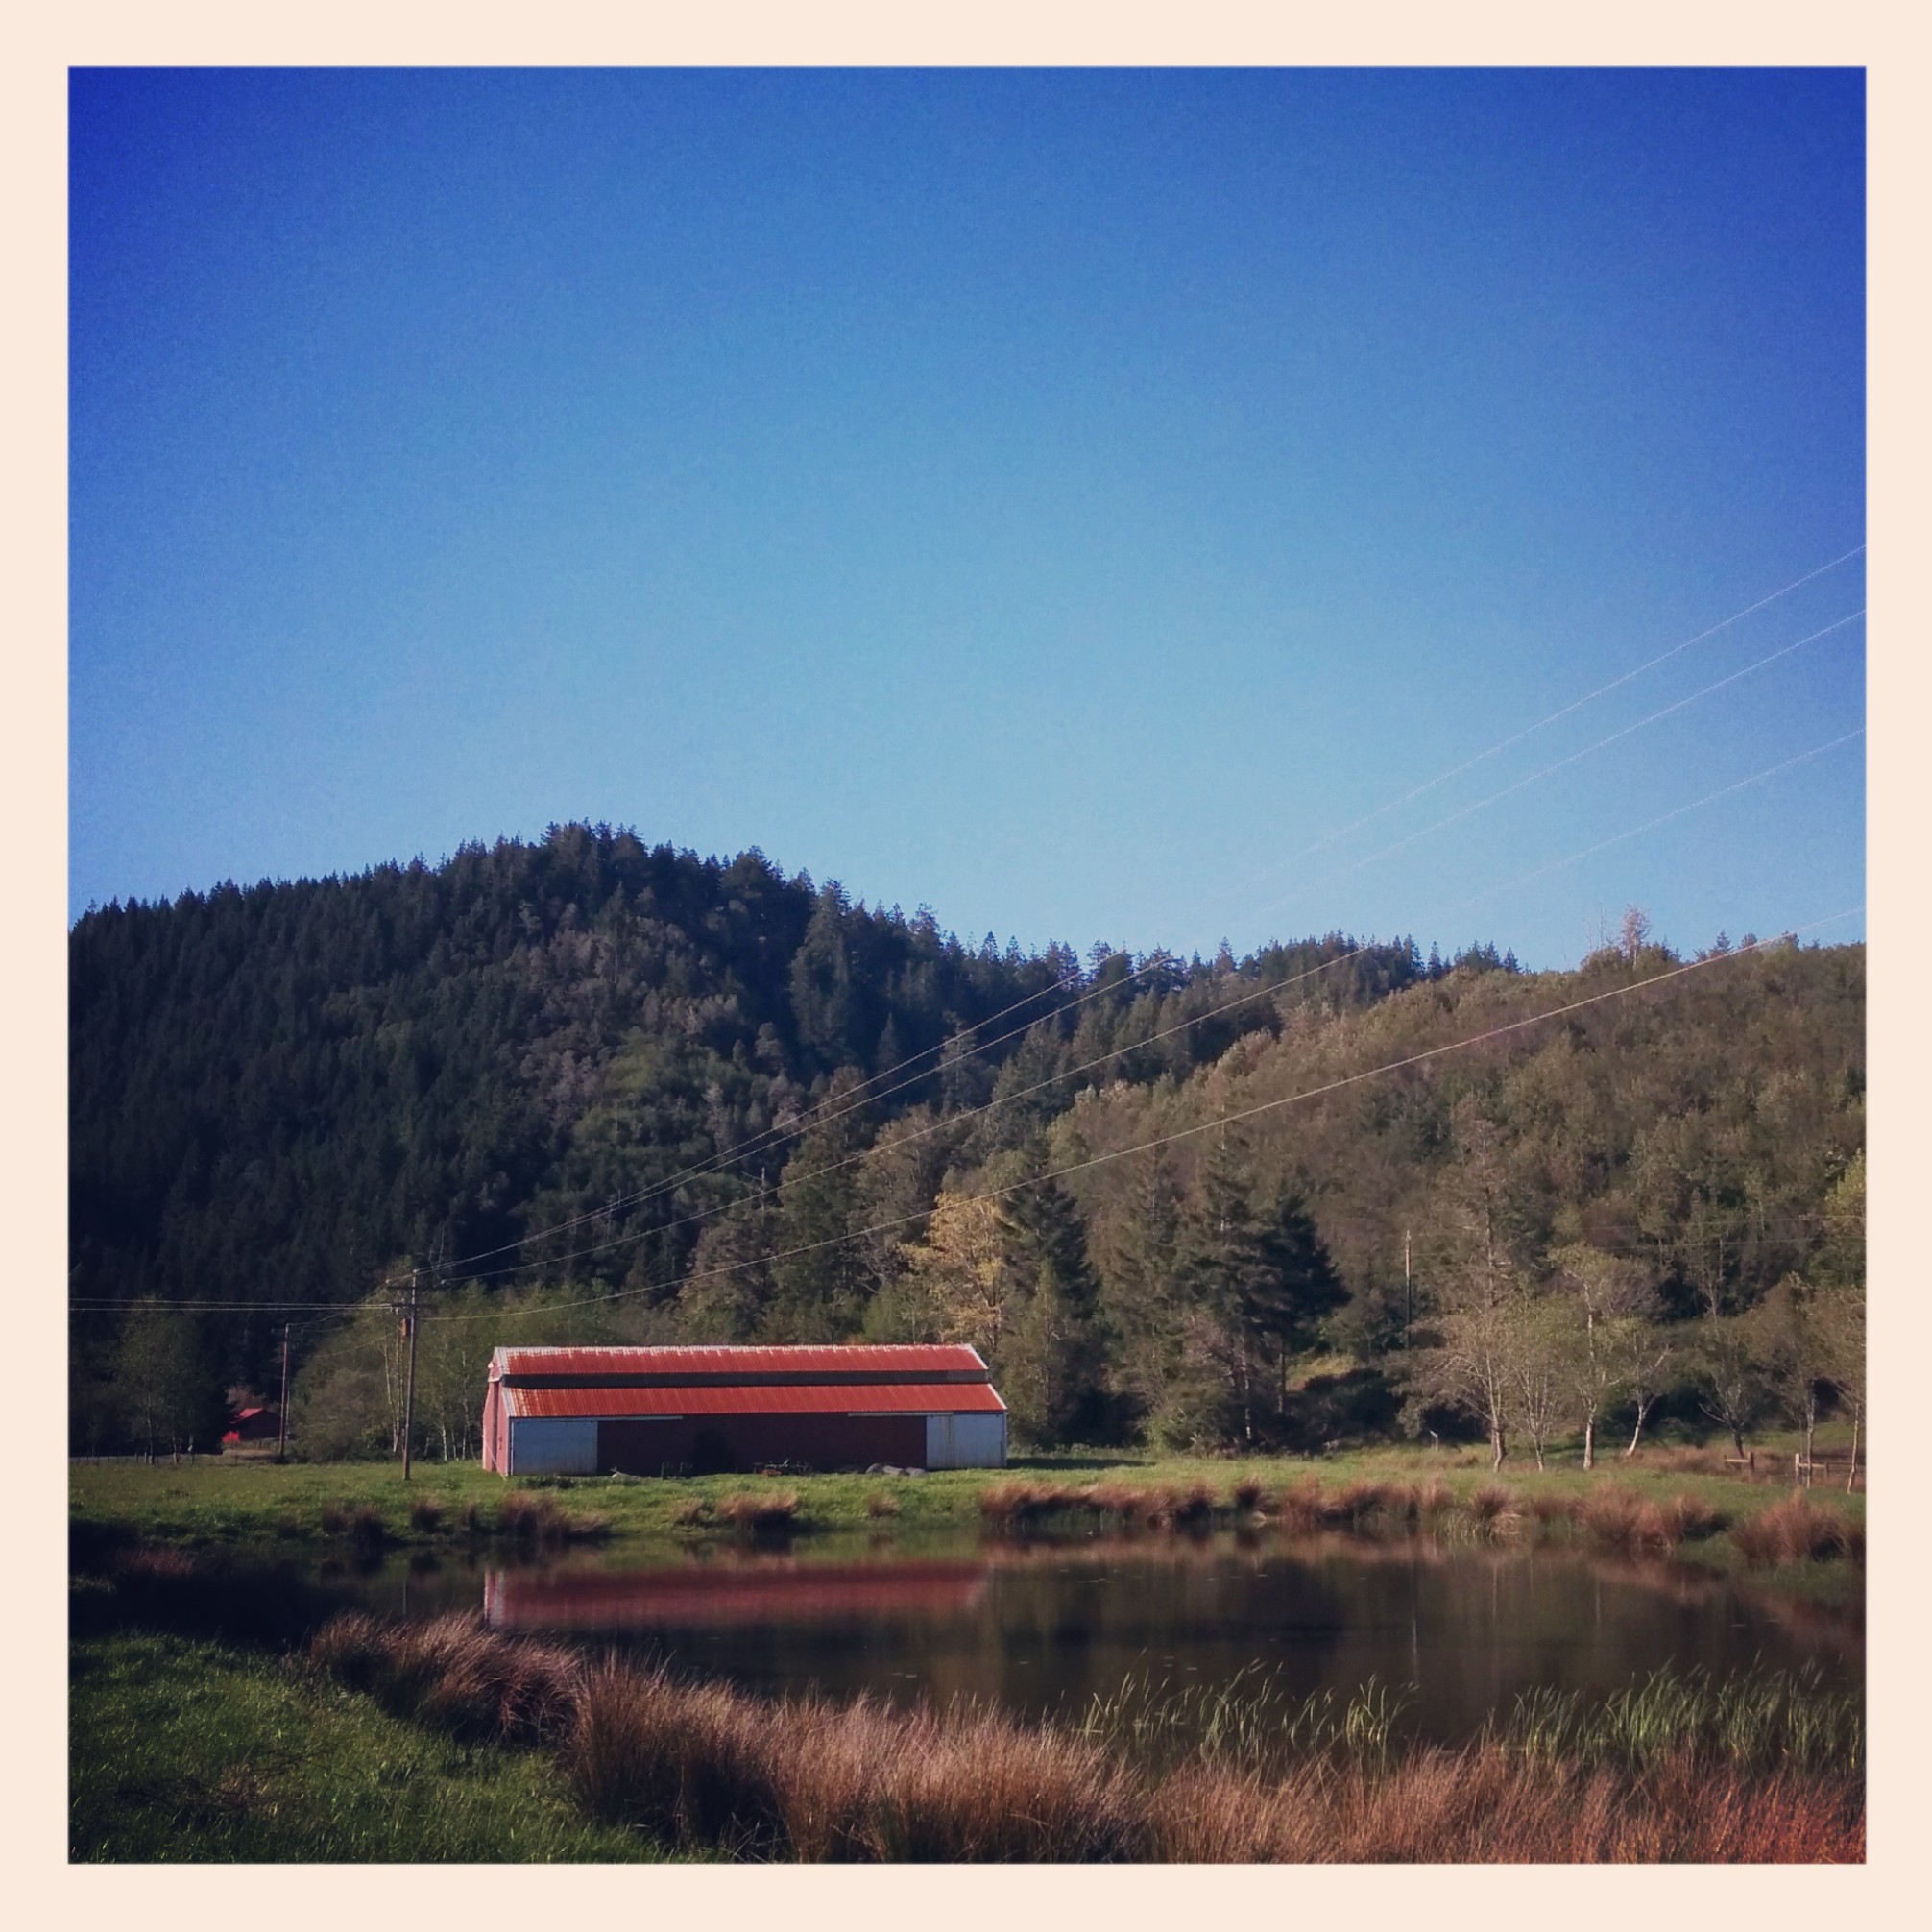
651 1412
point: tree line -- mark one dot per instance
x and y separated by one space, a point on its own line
289 1093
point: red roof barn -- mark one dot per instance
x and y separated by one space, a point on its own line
665 1410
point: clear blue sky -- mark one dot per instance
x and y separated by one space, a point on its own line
1061 498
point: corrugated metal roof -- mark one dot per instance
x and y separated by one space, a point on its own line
891 1399
930 1362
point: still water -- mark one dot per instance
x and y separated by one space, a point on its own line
1044 1627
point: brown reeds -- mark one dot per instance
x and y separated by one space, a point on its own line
1484 1805
455 1673
881 1503
1493 1509
704 1768
425 1514
760 1512
535 1519
1796 1531
362 1525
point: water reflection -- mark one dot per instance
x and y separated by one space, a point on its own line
1042 1626
776 1589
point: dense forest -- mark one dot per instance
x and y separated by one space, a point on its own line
585 1087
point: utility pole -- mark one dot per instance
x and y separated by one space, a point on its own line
409 1396
281 1414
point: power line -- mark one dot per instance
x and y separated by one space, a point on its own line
1755 1224
770 1138
750 1144
1169 1140
1650 825
951 1122
1549 770
1563 711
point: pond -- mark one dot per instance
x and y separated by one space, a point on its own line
1042 1627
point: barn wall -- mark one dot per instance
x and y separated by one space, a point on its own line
974 1441
493 1404
735 1443
553 1446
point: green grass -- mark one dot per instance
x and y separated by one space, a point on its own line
186 1750
213 1503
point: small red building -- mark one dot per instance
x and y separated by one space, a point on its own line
253 1425
651 1412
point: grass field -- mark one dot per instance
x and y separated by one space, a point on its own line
1683 1501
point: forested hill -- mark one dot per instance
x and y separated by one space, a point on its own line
277 1091
288 1092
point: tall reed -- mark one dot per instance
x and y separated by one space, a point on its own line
1680 1767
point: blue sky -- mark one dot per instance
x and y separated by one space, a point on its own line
1066 500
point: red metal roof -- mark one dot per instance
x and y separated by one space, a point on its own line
887 1398
927 1363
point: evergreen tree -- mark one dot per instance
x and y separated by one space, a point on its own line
820 1280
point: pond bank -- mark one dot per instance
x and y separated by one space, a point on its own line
509 1748
1682 1502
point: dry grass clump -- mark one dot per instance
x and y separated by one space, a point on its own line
362 1525
535 1519
692 1512
1300 1506
703 1766
1795 1532
1681 1769
1547 1509
1364 1505
1120 1500
1483 1805
1695 1519
1433 1498
881 1503
425 1513
1249 1491
1617 1520
1194 1507
766 1511
455 1673
155 1562
1018 1504
1493 1509
1009 1504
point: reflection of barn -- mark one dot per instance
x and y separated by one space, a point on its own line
660 1410
778 1591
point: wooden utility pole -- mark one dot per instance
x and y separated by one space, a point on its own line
409 1395
281 1414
